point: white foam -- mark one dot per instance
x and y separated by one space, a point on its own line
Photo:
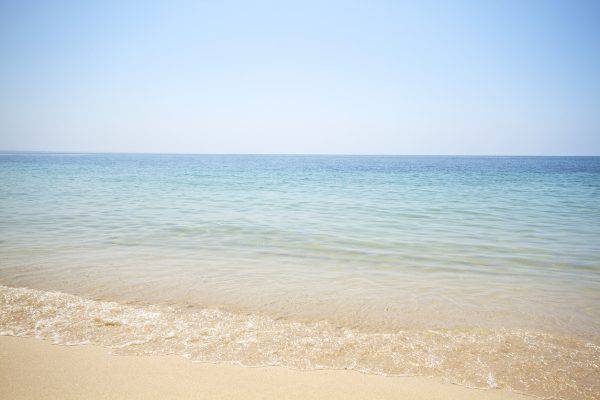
532 362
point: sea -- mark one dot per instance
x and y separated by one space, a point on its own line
480 271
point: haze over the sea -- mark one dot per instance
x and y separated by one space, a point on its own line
462 77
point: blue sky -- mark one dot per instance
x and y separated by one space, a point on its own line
301 77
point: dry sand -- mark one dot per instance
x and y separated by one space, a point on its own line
34 369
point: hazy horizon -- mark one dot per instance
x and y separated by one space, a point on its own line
268 78
7 151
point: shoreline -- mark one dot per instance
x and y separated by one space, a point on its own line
500 360
32 368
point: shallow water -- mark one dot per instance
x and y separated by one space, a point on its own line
481 270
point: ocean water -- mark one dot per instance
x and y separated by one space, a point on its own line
484 271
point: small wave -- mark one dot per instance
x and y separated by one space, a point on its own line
535 363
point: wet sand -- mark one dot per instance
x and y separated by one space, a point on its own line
36 369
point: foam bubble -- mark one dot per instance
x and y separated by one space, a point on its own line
536 363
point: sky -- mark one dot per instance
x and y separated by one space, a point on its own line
368 77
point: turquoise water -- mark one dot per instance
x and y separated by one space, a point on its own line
377 245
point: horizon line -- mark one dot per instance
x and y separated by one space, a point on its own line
2 151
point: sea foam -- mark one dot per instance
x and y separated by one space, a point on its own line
535 363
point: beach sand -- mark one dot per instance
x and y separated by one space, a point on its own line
36 369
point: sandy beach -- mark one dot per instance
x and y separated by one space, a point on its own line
35 369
